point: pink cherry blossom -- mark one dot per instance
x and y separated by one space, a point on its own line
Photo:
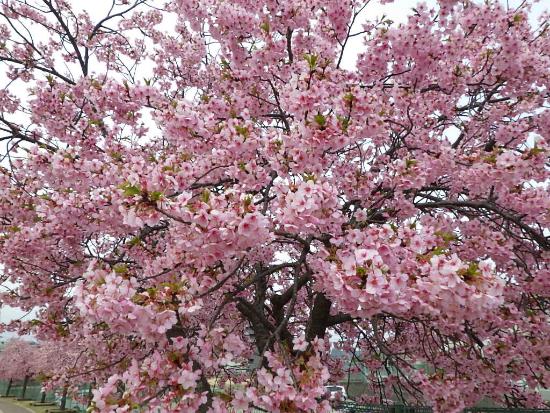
200 200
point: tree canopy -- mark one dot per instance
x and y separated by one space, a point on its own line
190 185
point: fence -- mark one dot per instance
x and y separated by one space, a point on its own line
34 392
350 407
504 410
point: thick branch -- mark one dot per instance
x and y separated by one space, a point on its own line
539 238
317 323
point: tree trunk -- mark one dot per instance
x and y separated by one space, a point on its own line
43 397
317 323
9 387
25 382
64 398
202 385
90 395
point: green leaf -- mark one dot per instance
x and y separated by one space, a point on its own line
242 166
224 64
361 272
155 196
134 241
439 251
205 196
446 236
61 330
265 26
308 177
120 269
247 201
491 158
344 123
349 97
470 273
311 60
535 151
320 119
242 130
117 156
130 190
410 162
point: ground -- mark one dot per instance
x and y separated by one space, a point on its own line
10 405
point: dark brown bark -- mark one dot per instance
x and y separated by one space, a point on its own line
64 398
90 395
202 385
9 387
25 383
260 325
318 318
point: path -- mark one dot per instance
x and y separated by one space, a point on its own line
7 407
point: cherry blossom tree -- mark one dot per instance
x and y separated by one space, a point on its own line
45 362
191 185
53 365
17 362
6 362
